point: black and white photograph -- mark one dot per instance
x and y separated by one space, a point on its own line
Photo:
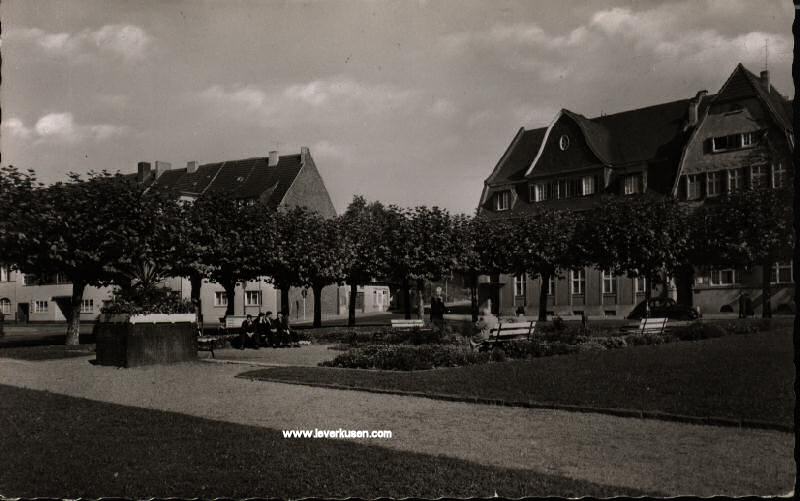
370 249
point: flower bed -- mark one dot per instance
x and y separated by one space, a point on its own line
407 351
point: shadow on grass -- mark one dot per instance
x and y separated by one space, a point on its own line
70 447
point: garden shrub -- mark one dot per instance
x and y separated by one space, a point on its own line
406 357
699 330
591 346
146 300
498 355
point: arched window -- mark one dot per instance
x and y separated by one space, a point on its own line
5 306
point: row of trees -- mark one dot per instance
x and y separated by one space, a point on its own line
108 229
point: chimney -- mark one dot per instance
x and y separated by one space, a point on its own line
304 154
694 107
191 167
162 167
765 80
143 172
273 158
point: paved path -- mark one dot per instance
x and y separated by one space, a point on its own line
672 458
304 356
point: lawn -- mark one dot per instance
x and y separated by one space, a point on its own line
46 352
746 376
59 446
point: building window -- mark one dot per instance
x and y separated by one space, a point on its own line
587 185
220 298
633 184
40 306
609 283
782 273
551 286
726 276
538 193
735 180
28 279
563 142
252 298
724 143
694 187
778 176
5 306
748 139
640 285
87 306
578 281
758 176
502 200
714 184
4 274
520 285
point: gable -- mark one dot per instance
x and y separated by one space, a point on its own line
552 159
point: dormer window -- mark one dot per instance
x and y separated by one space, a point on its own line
502 200
563 142
632 184
734 141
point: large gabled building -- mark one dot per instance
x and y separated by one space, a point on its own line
670 149
278 181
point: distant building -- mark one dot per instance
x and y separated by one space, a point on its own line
278 181
691 149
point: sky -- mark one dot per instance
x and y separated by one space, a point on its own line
407 102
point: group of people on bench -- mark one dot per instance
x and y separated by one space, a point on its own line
267 331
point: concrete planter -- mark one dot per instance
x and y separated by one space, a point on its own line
136 340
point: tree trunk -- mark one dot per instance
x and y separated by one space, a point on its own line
285 307
543 296
74 322
473 293
317 289
230 292
196 282
684 281
766 289
406 299
648 293
421 298
351 305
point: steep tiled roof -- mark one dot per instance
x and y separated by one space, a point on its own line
640 135
247 178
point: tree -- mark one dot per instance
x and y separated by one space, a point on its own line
748 227
543 243
18 204
92 230
364 246
482 248
323 260
641 235
228 240
289 264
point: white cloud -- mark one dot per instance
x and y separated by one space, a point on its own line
61 128
15 128
121 40
345 91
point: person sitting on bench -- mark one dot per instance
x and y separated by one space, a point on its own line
486 322
247 335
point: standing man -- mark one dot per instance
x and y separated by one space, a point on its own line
437 309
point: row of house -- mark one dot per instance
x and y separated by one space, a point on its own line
692 149
278 181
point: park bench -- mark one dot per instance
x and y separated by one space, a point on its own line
507 331
652 325
416 323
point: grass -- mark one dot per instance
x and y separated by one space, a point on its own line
59 446
747 376
46 352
